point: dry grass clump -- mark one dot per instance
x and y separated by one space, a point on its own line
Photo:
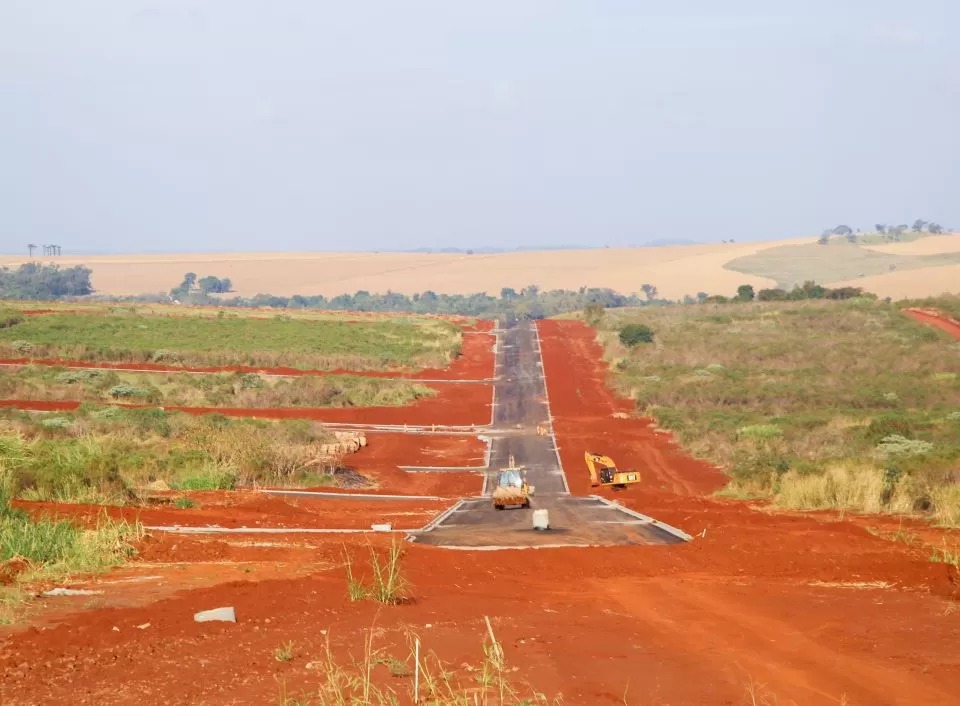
816 404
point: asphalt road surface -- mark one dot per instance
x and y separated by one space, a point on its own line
520 406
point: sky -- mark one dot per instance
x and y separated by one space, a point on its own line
251 125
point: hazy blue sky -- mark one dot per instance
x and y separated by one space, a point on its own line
305 124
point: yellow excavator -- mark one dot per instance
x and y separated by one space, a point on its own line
604 472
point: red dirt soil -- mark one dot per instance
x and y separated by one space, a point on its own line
475 362
380 460
936 318
759 608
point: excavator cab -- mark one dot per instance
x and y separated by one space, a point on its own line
604 472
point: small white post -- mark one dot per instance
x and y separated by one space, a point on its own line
416 671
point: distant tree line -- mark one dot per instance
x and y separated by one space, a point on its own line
530 302
33 280
203 286
36 281
808 290
891 233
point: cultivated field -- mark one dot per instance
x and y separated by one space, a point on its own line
120 336
675 270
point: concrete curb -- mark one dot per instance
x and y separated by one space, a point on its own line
350 496
430 526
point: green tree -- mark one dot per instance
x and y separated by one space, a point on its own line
649 291
745 293
634 334
772 295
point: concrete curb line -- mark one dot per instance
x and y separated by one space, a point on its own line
176 529
430 526
546 397
350 496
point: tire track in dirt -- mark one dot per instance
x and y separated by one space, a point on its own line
780 641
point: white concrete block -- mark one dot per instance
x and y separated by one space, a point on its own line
225 615
541 519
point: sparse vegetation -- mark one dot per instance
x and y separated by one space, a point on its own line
817 404
430 682
388 583
284 653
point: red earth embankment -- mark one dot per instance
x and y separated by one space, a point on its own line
935 318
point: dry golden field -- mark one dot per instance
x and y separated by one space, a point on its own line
674 270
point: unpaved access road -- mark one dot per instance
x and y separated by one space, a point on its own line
520 408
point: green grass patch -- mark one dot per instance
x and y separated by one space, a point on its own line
323 344
814 404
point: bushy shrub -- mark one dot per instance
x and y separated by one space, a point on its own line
634 334
897 445
124 391
10 317
252 381
164 356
